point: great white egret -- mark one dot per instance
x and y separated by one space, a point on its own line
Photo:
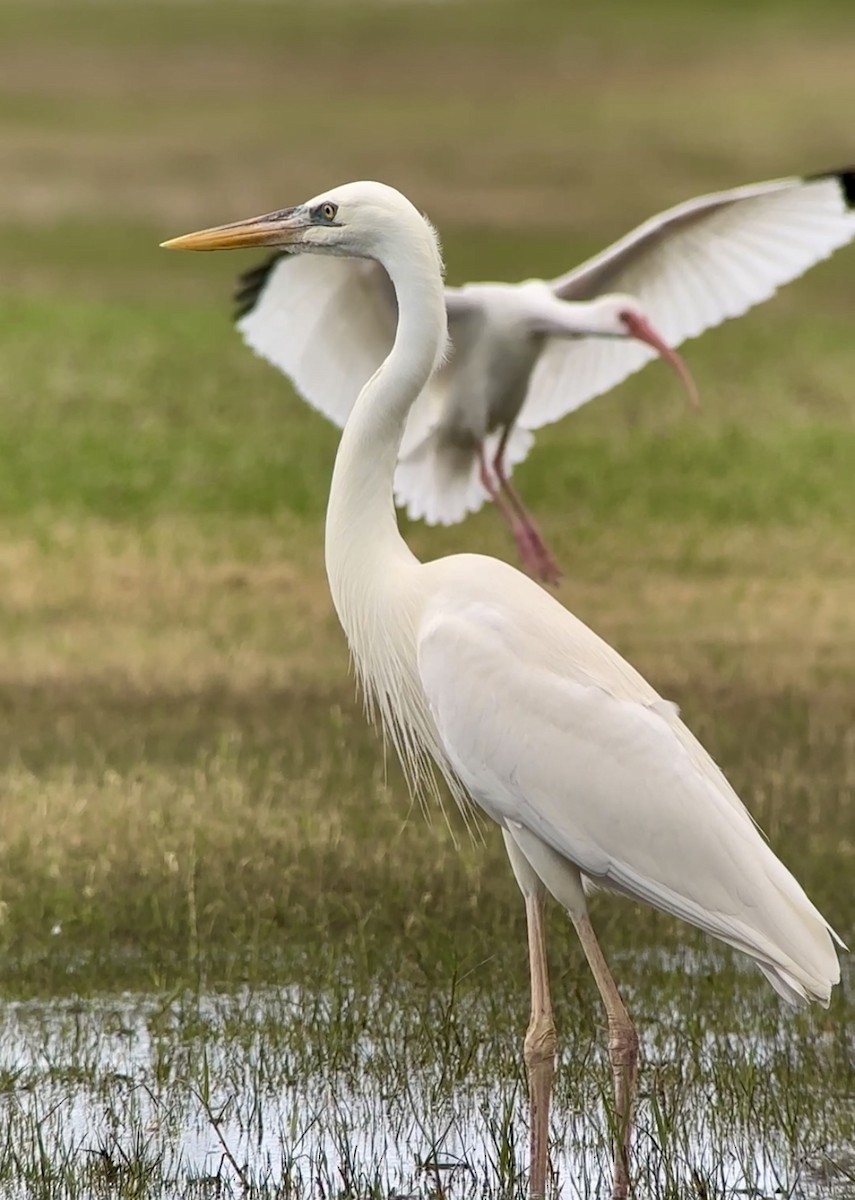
480 673
526 354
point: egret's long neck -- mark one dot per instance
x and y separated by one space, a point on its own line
362 538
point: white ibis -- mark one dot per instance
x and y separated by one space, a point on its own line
525 354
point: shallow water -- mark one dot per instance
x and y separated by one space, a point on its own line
289 1093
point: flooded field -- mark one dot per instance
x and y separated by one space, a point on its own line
289 1093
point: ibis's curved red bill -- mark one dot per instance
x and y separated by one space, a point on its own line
644 331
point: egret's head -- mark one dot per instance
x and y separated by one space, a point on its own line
358 220
623 316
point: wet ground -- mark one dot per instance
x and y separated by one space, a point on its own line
283 1093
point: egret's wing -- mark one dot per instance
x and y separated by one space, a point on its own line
326 322
551 731
692 267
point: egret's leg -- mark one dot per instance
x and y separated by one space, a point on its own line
525 549
539 1045
623 1052
545 565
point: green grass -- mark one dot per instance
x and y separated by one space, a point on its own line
235 957
129 419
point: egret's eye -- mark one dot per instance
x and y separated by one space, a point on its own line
326 211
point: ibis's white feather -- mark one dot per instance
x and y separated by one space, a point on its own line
441 484
691 268
327 322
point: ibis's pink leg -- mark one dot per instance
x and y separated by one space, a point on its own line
623 1052
545 565
539 1046
525 549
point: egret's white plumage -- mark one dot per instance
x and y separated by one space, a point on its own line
525 355
477 670
582 754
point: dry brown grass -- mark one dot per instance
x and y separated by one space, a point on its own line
177 606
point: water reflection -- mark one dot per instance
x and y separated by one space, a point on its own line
317 1095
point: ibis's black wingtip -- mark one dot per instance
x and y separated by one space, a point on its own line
845 177
847 182
251 284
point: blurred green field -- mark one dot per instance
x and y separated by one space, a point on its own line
191 796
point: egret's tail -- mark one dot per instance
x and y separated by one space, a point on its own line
803 965
785 934
440 483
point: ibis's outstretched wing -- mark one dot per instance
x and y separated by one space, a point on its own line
327 323
692 267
